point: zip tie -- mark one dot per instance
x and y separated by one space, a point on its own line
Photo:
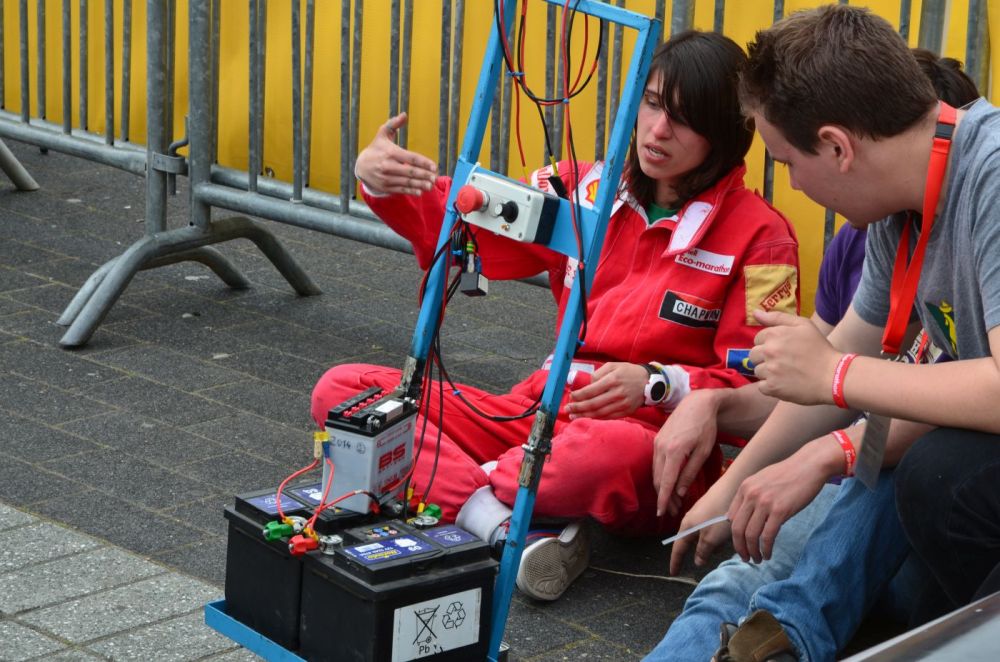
456 392
515 74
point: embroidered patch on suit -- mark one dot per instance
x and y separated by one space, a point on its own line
771 287
689 310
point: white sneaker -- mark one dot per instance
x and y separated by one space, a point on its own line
550 564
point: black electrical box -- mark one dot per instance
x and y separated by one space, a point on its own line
398 594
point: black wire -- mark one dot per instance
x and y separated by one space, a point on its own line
497 12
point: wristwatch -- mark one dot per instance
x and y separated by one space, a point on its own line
657 387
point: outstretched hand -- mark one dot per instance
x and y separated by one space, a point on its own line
792 359
385 167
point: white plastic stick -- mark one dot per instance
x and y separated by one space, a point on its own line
694 529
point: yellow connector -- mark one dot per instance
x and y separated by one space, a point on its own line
319 436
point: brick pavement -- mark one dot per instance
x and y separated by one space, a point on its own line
190 392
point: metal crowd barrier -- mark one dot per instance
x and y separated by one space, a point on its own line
293 202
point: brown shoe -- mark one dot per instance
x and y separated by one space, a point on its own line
759 639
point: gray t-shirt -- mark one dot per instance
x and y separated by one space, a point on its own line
958 297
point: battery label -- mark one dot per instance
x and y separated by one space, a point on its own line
268 503
308 493
450 536
435 626
389 550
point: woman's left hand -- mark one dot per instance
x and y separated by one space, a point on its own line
616 390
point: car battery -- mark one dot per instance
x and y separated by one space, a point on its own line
263 579
370 445
398 594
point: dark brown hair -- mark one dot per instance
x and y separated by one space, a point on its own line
952 84
837 64
698 87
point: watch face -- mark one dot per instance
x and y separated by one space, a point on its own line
657 390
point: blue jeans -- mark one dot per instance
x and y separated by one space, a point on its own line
829 564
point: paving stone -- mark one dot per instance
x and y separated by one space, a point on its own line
255 433
21 643
158 401
18 253
269 400
11 517
39 542
119 522
69 577
120 609
23 483
45 402
168 367
71 655
9 306
183 638
154 440
238 655
128 477
531 632
15 280
49 364
279 368
237 471
204 559
33 441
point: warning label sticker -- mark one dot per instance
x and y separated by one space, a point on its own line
435 626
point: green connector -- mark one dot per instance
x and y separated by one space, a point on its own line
433 510
277 530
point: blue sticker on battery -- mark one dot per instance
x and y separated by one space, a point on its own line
388 550
450 536
268 503
308 493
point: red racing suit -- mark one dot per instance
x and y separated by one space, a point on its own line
679 292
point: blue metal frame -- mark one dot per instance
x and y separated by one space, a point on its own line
593 225
220 621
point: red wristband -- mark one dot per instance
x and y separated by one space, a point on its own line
850 455
839 374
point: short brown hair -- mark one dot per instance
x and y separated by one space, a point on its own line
699 73
837 64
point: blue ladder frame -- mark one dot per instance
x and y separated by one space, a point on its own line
593 224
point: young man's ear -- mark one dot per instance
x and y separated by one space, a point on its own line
837 142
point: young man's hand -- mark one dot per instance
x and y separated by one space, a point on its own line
705 541
385 167
793 360
767 499
615 391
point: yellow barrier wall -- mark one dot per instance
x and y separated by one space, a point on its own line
741 21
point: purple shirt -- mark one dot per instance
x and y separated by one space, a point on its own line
839 274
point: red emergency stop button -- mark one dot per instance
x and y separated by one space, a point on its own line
470 199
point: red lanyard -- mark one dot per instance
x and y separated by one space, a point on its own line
905 277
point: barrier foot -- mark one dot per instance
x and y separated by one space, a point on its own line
13 169
206 255
94 300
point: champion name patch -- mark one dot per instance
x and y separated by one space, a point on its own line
689 311
713 263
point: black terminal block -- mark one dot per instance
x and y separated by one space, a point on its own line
370 412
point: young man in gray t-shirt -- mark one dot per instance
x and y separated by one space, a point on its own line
839 100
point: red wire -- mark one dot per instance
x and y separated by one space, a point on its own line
322 501
281 488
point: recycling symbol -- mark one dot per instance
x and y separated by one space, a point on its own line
454 616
